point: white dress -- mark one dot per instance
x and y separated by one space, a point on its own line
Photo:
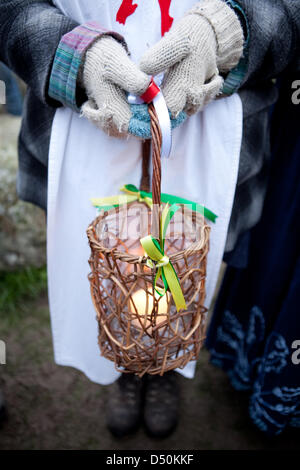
84 163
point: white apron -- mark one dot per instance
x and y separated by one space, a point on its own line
85 163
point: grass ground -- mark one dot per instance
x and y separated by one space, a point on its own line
52 407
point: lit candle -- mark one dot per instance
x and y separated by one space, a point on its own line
144 308
137 250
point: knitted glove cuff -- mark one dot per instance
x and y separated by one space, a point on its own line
227 28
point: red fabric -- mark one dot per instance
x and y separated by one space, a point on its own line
126 9
166 19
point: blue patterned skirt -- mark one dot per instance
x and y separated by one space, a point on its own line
254 334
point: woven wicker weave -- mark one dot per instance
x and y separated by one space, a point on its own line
164 339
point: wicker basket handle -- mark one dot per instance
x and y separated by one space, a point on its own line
156 176
156 155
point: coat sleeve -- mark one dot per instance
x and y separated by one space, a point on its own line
30 32
274 37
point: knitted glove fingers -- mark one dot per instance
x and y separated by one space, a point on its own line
170 50
111 113
187 93
199 97
193 99
174 93
107 60
119 68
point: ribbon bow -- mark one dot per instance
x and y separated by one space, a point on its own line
133 194
165 269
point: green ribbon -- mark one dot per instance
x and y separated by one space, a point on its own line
165 269
133 194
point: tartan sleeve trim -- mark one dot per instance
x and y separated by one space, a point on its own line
237 75
69 56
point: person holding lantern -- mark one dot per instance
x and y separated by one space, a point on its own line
74 57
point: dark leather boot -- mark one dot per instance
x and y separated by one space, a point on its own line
124 408
161 404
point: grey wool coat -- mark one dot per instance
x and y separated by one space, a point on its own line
30 31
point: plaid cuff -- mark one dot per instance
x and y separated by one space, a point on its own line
236 76
63 86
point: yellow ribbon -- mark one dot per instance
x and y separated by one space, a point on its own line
165 269
133 194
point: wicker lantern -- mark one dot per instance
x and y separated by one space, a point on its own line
140 330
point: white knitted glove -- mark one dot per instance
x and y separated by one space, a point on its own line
107 73
206 40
